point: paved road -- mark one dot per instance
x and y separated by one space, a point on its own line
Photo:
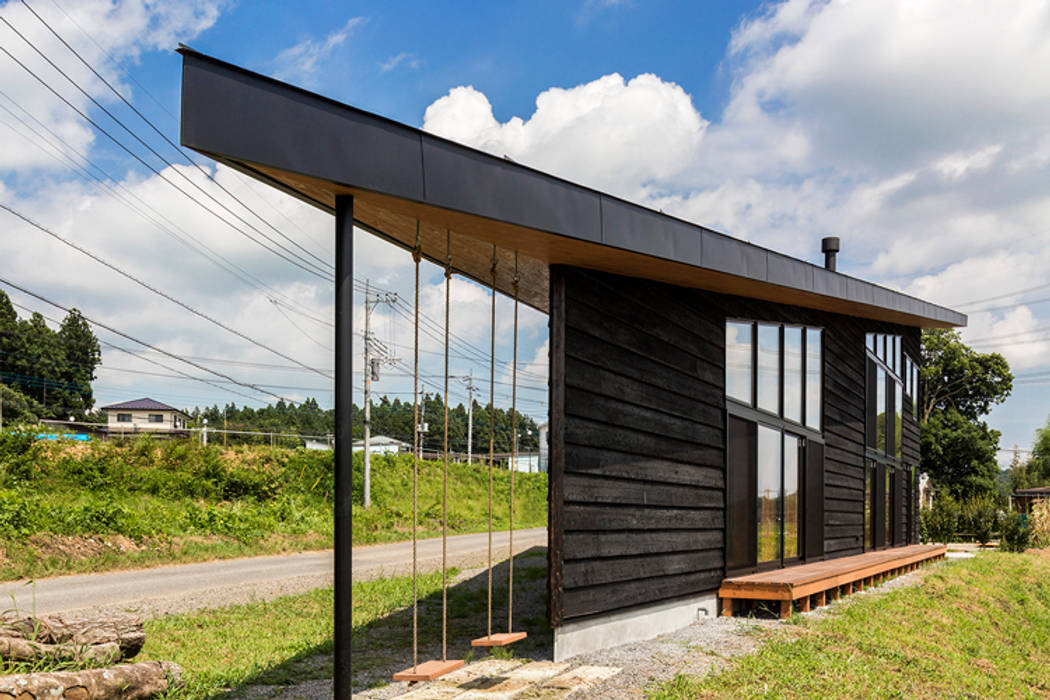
463 551
184 587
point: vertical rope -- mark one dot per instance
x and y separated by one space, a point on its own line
492 423
513 449
416 256
444 472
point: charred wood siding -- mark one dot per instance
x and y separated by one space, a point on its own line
638 437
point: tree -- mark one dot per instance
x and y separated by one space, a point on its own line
959 386
1036 471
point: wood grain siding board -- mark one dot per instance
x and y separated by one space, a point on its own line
594 544
597 489
591 600
632 364
639 392
556 453
595 572
621 414
588 433
586 516
590 460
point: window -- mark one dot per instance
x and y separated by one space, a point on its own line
869 506
123 417
777 507
777 369
892 375
769 368
156 418
738 361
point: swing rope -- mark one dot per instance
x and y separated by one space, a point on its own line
417 255
492 424
513 448
444 473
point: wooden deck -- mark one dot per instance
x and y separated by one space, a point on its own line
824 580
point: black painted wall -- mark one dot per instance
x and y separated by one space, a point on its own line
637 471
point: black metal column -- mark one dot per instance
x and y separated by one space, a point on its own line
344 315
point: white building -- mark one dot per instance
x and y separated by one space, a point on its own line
382 445
144 416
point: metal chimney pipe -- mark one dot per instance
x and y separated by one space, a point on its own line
829 246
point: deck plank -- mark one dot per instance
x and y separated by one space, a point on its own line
818 577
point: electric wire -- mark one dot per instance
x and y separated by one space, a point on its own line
157 291
156 172
247 385
160 133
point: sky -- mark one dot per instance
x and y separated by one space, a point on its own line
919 133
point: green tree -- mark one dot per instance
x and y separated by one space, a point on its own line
958 387
1035 472
82 355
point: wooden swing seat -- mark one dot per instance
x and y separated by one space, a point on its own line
500 639
429 670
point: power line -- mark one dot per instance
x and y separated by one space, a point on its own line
197 246
163 136
1004 296
133 339
156 291
309 269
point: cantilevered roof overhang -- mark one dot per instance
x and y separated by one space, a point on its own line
316 149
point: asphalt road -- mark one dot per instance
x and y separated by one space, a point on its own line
184 587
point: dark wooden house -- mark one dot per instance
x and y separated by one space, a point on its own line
716 408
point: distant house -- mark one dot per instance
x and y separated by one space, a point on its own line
383 445
145 416
1022 500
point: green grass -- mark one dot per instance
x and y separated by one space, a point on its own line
977 628
275 642
389 519
68 508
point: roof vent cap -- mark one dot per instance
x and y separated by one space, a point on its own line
830 247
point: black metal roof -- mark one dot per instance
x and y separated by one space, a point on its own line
317 148
143 404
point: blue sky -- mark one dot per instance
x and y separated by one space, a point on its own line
916 132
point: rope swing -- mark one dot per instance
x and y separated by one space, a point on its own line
429 670
508 637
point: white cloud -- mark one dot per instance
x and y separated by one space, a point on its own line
406 59
126 28
624 136
299 63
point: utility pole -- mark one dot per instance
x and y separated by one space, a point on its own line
371 373
470 417
422 427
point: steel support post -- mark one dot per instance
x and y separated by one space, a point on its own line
344 314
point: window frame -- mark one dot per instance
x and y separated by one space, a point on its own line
751 411
125 418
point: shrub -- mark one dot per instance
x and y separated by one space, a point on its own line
981 518
1017 537
942 520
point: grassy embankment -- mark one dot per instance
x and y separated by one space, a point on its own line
977 628
389 519
77 507
71 507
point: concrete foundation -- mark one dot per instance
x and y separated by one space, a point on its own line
639 624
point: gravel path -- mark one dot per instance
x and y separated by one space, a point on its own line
698 649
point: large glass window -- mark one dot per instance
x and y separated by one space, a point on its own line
792 512
814 377
768 511
769 368
786 380
869 499
793 373
880 409
898 422
889 506
738 361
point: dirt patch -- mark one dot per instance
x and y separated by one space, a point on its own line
85 546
